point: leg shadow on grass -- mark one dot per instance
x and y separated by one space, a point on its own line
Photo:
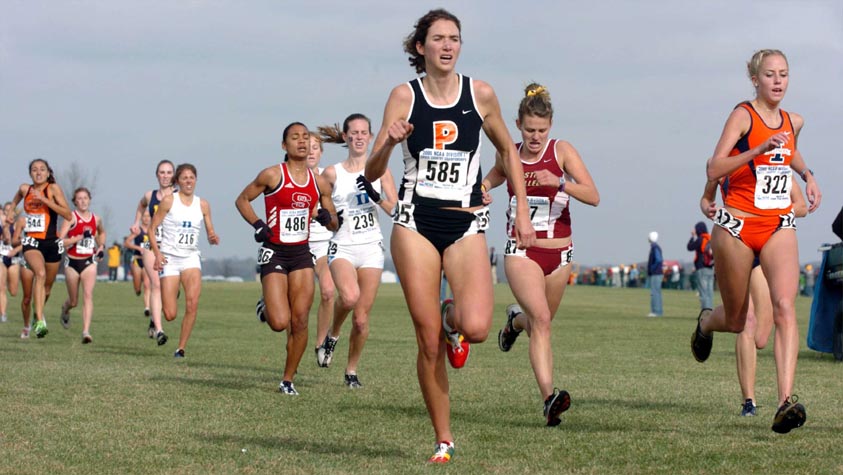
289 444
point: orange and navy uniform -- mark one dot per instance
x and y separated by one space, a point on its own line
83 249
762 186
40 219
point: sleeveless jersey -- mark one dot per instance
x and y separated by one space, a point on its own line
86 247
6 247
361 224
141 240
288 208
548 206
181 227
40 219
762 186
153 207
442 155
318 232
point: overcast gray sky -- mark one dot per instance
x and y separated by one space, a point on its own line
641 89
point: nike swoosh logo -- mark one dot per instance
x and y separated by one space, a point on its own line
466 112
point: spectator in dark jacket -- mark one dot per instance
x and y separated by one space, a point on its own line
700 243
655 272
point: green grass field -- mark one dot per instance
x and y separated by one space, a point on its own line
640 403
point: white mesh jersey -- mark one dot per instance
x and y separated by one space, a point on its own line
360 214
181 227
319 233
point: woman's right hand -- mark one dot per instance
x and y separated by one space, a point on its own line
399 131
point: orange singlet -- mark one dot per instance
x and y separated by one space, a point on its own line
40 219
761 187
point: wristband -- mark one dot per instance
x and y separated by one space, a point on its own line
562 183
807 170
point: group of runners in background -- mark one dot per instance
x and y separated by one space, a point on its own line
323 224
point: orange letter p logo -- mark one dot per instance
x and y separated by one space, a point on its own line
444 133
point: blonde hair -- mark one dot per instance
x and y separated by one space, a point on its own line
315 136
536 102
754 63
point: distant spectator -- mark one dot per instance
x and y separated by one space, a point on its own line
633 276
700 244
808 290
655 274
127 257
113 261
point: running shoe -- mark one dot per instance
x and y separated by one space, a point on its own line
286 387
24 334
86 338
444 452
260 310
178 354
791 415
325 351
748 408
150 332
146 312
457 348
555 405
65 317
137 293
508 334
3 318
161 337
700 342
41 328
352 382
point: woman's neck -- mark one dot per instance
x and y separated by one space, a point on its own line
442 87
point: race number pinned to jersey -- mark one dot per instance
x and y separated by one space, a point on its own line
539 212
85 247
292 224
187 236
772 186
442 173
5 249
36 223
363 221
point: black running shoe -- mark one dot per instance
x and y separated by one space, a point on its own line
179 354
161 337
555 405
286 387
150 331
260 310
325 352
748 408
146 312
508 334
700 342
791 415
65 317
352 382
